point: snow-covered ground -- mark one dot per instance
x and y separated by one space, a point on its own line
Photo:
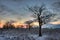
29 37
18 34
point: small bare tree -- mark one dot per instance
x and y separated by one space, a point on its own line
42 18
8 25
29 22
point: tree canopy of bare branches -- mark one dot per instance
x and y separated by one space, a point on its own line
41 17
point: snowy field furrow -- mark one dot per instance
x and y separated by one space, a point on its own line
23 34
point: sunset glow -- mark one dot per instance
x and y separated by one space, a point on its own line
57 22
22 25
18 24
35 23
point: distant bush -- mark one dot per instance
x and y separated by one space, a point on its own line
8 26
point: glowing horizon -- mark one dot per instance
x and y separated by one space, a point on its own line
16 10
16 24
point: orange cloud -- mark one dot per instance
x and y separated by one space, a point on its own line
57 22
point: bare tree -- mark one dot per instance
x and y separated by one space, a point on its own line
42 18
29 22
8 25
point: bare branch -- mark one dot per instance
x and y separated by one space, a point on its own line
47 18
42 8
31 9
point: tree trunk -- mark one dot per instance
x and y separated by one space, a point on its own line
29 27
40 24
40 34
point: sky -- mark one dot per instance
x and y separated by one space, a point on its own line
16 9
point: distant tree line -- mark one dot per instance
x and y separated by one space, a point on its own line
8 26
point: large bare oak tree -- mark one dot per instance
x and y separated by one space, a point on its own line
42 18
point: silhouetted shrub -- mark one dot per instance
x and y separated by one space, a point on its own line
8 26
